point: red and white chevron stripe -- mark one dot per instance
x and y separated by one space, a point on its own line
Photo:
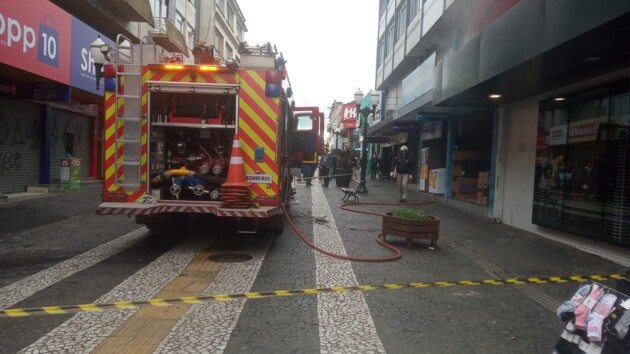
215 209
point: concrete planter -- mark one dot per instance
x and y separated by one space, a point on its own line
411 229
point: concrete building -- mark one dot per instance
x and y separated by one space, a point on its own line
521 107
222 24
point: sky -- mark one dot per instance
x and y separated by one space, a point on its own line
329 45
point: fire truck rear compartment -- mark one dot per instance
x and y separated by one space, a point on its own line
189 144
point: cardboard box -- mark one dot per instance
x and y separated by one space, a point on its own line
482 199
484 178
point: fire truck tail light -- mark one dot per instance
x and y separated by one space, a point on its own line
208 68
273 77
173 67
109 71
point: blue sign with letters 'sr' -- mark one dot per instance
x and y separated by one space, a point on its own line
82 72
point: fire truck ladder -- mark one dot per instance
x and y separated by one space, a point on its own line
129 118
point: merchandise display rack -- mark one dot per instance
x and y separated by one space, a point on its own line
597 321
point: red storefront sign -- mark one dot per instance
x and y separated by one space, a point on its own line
37 40
349 115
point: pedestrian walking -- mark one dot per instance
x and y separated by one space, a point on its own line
402 168
324 167
354 165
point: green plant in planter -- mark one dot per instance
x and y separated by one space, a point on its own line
411 224
410 214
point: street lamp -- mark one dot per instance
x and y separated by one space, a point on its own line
337 132
100 54
358 98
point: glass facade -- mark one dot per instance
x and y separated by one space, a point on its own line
582 178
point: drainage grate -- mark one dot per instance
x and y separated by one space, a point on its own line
230 257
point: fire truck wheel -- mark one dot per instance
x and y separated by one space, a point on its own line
276 224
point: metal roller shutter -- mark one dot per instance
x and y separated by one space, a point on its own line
70 132
20 139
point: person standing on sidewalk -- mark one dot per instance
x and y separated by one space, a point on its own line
402 168
324 166
376 161
333 164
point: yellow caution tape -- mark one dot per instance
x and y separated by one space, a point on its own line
127 305
322 177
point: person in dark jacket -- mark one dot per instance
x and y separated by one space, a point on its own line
402 169
376 162
325 163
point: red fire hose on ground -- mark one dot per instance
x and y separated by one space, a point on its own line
377 238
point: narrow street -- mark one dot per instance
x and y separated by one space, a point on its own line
72 256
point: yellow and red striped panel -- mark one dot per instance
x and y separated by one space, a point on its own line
258 122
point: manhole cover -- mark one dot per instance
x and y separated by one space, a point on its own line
230 257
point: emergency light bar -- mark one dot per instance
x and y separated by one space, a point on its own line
179 67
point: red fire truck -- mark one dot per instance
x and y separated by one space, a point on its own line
210 137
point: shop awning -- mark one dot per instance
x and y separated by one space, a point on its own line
399 138
431 117
135 10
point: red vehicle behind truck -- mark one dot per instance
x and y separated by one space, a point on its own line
211 137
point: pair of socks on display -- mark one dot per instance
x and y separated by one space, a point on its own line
618 323
595 320
565 311
583 310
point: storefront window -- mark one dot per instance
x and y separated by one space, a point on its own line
550 175
582 178
615 182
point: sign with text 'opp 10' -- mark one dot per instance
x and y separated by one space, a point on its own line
35 37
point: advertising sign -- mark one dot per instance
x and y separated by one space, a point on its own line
558 135
42 91
377 139
349 115
579 133
82 73
37 40
48 42
70 174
